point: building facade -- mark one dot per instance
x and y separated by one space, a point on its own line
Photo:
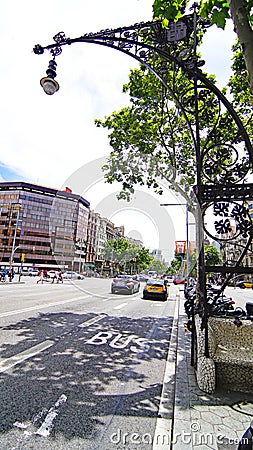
41 226
100 242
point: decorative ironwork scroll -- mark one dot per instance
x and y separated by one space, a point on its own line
223 151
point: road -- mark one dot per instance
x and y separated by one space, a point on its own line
80 368
240 296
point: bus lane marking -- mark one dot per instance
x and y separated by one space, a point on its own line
8 363
89 322
120 306
119 341
47 425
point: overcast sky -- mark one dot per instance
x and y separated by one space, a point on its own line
45 139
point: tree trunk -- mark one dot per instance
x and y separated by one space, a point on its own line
244 33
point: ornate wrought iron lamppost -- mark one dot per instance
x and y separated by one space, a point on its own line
221 168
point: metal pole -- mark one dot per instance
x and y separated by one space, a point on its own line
20 271
187 244
80 258
14 237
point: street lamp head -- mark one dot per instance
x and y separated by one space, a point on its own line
48 83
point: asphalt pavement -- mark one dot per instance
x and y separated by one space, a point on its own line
187 417
80 368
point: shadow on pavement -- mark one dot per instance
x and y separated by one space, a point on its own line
103 369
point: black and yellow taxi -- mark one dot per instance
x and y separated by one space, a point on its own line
156 290
244 284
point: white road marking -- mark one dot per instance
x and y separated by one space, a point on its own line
45 305
6 364
47 425
120 306
91 321
113 297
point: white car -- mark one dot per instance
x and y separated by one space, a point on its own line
31 272
126 284
70 275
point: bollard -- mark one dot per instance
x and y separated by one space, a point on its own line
246 443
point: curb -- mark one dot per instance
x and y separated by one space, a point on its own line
165 422
181 432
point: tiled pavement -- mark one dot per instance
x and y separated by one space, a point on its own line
202 421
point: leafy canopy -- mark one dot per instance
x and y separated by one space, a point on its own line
124 254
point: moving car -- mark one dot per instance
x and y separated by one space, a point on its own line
125 283
152 274
178 280
244 284
69 275
143 277
155 289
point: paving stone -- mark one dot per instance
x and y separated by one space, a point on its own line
222 430
215 421
231 422
211 417
222 412
202 408
204 428
195 415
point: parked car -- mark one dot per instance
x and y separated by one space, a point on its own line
25 273
126 284
70 275
31 273
244 284
156 290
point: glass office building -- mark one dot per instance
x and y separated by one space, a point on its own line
42 226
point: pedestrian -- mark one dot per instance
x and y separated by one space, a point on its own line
45 275
55 277
60 276
4 275
41 277
11 274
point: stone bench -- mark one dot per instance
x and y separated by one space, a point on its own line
230 362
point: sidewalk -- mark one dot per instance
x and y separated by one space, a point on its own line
201 421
